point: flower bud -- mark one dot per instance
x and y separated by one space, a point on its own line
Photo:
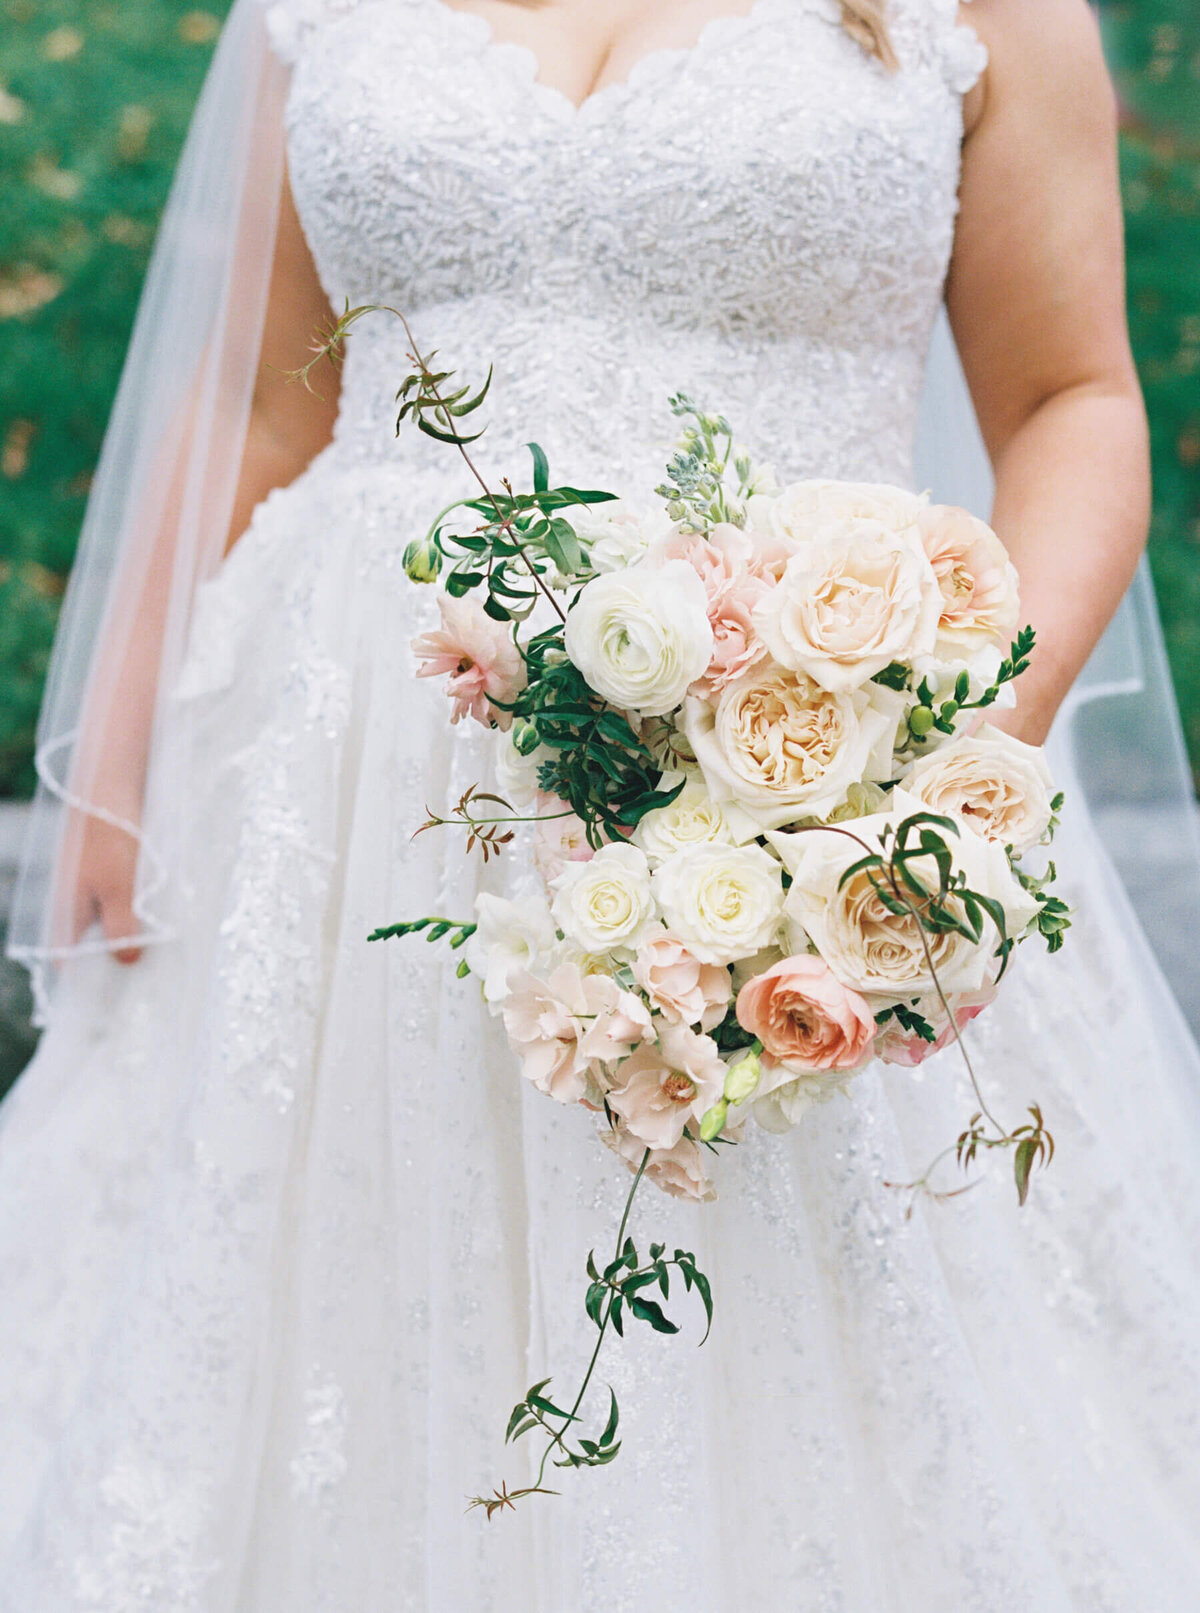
742 1078
422 560
713 1123
921 721
525 737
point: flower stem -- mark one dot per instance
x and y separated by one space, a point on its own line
591 1367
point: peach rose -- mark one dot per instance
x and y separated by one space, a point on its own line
977 580
479 657
996 784
679 1171
682 989
664 1087
805 1018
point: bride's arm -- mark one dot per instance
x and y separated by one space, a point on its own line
1036 296
287 427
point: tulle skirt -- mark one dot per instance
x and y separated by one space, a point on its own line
283 1237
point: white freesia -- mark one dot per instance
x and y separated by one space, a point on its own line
882 954
996 784
785 1096
605 905
777 747
517 775
722 902
692 819
801 510
511 937
856 598
616 534
640 636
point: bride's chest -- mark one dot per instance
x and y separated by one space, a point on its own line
773 172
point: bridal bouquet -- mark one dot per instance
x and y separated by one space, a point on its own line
775 834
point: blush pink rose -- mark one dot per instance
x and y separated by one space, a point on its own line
558 840
478 656
736 643
805 1018
682 989
722 557
678 1171
895 1045
664 1087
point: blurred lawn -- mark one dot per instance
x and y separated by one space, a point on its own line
94 99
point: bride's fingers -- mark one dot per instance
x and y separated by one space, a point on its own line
116 920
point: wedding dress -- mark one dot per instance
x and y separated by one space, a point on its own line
281 1236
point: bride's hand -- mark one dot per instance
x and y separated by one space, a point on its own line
104 885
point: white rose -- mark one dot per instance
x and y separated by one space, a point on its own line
722 902
802 510
881 954
511 937
605 905
617 534
778 747
692 819
640 636
997 785
856 598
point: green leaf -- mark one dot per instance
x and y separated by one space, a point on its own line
541 467
615 1316
649 1310
1022 1165
705 1290
610 1427
550 1408
893 676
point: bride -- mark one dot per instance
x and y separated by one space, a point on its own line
281 1238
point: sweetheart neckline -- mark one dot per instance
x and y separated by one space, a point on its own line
662 58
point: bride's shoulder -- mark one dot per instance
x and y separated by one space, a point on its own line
1038 51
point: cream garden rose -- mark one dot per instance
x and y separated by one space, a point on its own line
641 636
693 818
802 510
722 902
976 579
856 598
605 905
778 747
878 953
995 784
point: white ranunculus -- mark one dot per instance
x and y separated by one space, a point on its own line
722 902
777 747
878 953
802 510
640 636
512 937
692 819
997 785
856 598
605 905
617 534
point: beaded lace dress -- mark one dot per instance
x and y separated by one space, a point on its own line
282 1238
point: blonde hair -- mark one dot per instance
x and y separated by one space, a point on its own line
865 21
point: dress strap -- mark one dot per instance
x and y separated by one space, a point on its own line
931 34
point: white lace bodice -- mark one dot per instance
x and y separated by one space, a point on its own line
763 219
